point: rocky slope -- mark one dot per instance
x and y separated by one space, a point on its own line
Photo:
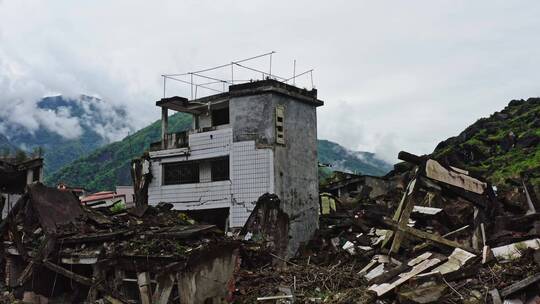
499 147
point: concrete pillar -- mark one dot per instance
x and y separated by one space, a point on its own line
29 176
164 127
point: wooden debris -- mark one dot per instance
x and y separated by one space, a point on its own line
428 236
495 296
513 251
456 260
143 281
520 285
428 294
403 277
68 274
165 284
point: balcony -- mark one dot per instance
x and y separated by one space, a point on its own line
173 141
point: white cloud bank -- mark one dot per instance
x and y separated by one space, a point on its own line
394 75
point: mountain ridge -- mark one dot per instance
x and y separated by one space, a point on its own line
113 161
58 118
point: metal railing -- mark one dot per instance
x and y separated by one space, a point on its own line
201 80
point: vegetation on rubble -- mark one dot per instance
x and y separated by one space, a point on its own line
499 147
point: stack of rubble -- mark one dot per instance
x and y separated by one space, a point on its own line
448 239
57 250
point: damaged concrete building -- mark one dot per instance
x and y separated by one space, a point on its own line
59 251
259 137
14 176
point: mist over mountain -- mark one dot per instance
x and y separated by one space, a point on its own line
66 128
109 165
339 158
85 141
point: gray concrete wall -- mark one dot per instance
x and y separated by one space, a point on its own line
252 118
205 120
295 163
209 281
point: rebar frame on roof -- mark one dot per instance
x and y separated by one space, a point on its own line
198 79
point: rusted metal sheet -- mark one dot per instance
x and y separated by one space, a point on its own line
53 207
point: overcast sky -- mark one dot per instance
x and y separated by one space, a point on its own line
394 75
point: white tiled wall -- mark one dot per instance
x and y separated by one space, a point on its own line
193 196
251 175
251 172
210 144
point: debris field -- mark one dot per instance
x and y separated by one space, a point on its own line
432 234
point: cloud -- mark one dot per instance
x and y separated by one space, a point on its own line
394 76
60 122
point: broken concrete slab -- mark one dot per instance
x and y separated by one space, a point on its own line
456 260
381 289
513 251
423 295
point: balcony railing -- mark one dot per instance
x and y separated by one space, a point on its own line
173 141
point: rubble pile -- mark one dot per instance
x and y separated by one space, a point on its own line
447 239
78 254
429 233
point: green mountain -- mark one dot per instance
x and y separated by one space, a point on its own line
6 147
110 165
499 147
94 121
339 158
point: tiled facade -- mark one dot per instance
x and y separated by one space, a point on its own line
251 175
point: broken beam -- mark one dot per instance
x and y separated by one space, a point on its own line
432 237
520 285
163 290
94 237
143 280
69 274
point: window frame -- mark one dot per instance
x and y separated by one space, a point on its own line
181 179
221 115
226 177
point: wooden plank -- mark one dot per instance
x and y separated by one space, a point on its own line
143 280
94 237
68 274
397 214
428 236
495 296
25 275
184 233
165 284
113 300
404 218
386 287
520 285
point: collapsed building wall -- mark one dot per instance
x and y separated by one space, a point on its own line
55 248
14 176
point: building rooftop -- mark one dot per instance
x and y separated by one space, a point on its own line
199 105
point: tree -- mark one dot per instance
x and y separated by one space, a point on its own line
20 156
37 152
